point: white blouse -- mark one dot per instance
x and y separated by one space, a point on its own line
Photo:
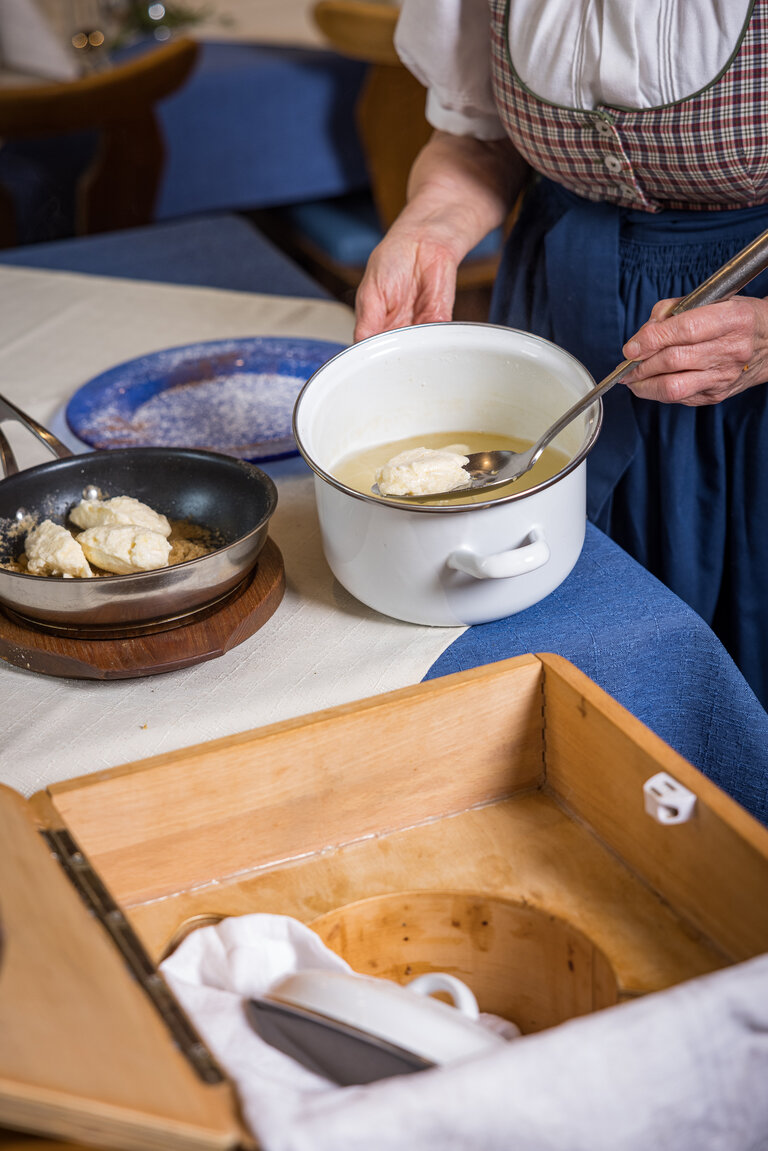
576 53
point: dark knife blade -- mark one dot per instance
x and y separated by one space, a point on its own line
343 1054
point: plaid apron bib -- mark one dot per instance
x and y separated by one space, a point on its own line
705 152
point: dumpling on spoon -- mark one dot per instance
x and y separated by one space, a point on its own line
424 471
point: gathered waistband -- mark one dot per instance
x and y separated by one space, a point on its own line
674 226
692 242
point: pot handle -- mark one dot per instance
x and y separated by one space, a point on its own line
516 561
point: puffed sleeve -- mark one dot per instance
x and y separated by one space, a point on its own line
446 44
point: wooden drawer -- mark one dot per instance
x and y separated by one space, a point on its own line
491 823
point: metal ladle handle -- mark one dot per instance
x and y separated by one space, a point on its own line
721 285
8 462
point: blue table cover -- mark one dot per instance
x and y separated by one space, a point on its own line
652 653
217 251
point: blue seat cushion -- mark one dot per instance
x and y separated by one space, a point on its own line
346 228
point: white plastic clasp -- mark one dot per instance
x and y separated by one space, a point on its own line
667 800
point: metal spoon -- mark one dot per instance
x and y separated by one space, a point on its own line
494 468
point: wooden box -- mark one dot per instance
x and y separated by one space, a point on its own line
491 823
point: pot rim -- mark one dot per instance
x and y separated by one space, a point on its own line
595 414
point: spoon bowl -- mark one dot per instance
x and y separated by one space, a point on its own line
490 469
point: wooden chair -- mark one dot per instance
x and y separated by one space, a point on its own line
390 109
392 128
119 187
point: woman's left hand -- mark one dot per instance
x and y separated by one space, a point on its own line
702 356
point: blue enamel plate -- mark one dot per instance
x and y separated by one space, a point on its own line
230 396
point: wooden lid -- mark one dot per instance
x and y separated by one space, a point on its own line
84 1052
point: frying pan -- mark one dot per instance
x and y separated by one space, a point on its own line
231 498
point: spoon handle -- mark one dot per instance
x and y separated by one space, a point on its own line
730 278
721 285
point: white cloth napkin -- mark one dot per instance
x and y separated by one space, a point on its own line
682 1070
214 970
217 968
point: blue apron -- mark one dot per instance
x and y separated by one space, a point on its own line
682 489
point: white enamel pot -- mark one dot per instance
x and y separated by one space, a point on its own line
469 563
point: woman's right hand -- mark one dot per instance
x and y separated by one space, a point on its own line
409 279
459 189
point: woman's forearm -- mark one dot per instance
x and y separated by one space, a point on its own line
460 189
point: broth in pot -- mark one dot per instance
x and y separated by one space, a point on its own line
358 470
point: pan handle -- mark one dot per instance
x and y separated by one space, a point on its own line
8 464
9 411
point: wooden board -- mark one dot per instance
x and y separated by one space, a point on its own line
84 1055
144 655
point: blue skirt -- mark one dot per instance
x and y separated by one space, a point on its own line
683 490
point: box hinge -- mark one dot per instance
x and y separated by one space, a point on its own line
97 898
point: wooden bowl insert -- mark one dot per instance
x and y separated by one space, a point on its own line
522 964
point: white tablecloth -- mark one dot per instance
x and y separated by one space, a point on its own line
319 649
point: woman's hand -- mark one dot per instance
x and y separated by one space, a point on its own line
702 356
459 189
409 279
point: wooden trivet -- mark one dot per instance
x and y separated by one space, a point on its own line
153 654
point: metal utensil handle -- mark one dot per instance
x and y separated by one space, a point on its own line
730 278
48 439
721 285
8 464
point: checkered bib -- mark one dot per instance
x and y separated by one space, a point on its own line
707 151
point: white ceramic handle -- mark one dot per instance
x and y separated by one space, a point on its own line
462 997
516 561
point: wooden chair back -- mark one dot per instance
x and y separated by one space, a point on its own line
390 109
390 114
119 188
